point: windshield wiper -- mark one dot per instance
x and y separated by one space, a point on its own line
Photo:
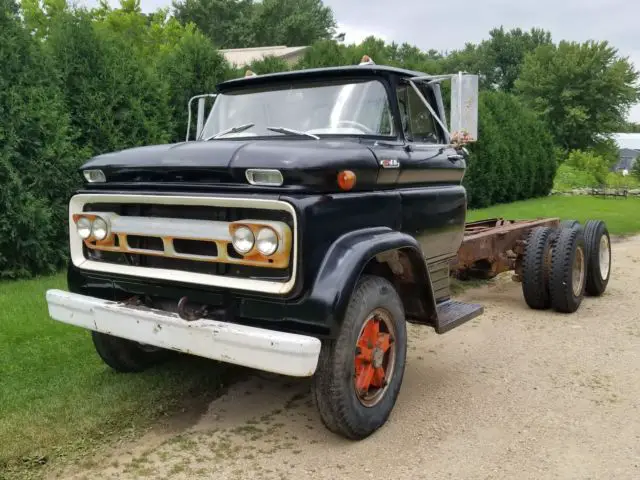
293 132
240 128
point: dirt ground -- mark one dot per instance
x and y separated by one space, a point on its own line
515 393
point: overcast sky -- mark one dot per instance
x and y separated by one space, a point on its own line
448 25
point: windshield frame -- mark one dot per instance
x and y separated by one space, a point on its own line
285 83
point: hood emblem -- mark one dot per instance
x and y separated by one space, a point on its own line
389 163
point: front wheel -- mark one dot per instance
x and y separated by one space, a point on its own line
360 372
126 356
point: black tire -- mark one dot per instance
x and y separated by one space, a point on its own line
569 255
126 356
341 409
598 242
569 224
535 268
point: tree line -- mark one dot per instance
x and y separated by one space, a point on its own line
76 82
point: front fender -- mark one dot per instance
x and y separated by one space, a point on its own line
345 261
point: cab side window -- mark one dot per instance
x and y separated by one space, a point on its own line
417 122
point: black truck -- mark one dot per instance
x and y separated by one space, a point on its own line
316 212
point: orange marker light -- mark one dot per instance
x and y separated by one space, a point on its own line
346 179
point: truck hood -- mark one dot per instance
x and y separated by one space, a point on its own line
302 162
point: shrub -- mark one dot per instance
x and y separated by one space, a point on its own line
114 96
514 157
38 160
584 169
192 67
635 171
591 163
617 180
568 178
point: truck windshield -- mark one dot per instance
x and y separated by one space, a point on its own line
327 108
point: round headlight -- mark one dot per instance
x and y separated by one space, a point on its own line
84 227
243 240
100 229
267 241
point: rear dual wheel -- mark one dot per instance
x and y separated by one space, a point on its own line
360 372
567 277
569 224
554 268
560 266
536 266
594 244
598 245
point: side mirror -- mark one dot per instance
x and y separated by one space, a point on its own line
200 115
464 106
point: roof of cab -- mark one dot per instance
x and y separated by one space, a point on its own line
316 73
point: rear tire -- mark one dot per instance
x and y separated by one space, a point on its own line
568 270
357 381
569 224
535 268
598 245
126 356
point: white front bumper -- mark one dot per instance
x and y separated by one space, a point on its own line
268 350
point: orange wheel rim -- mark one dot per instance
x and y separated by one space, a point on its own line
375 357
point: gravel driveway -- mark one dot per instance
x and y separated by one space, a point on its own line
513 394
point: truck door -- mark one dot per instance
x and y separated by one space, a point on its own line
430 177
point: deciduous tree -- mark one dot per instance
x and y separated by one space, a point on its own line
248 23
226 22
498 60
291 22
582 90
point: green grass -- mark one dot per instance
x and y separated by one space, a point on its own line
57 399
621 215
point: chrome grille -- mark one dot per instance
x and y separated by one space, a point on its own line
208 262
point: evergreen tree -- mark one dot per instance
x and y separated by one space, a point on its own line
38 161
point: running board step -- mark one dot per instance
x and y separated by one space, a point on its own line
452 314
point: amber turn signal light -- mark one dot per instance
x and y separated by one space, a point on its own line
346 179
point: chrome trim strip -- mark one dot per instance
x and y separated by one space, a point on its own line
77 203
249 174
168 227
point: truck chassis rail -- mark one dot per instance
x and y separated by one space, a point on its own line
494 246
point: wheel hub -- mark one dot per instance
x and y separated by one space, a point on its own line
604 257
578 274
374 358
378 357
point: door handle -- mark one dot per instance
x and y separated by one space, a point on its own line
455 157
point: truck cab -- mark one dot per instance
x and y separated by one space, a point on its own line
315 214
